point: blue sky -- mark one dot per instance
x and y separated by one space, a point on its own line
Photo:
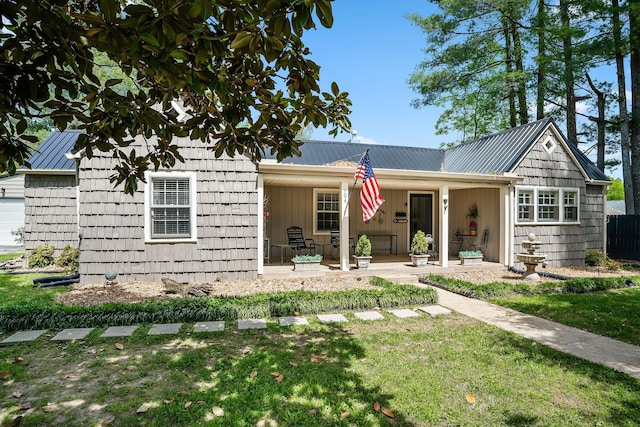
370 51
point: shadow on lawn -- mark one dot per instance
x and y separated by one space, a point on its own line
240 375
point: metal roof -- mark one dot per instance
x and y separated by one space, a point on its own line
51 153
318 153
497 153
592 170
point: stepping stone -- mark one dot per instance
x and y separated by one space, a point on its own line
252 324
404 313
118 331
23 336
369 315
72 334
293 320
435 310
217 326
332 318
165 329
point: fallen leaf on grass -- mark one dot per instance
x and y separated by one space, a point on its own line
48 408
24 406
313 411
388 412
376 406
254 374
64 377
188 404
295 313
217 411
200 402
316 357
107 421
182 393
344 415
470 398
143 408
294 364
120 346
17 359
5 375
17 394
261 423
279 378
167 401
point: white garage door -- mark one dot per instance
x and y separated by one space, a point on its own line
11 218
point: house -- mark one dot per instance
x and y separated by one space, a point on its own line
224 217
11 209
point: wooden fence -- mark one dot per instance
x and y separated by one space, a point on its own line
623 236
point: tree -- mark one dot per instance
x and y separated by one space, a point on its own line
616 190
225 61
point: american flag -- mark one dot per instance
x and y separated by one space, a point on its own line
370 198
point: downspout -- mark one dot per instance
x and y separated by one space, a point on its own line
605 219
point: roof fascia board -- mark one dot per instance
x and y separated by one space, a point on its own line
46 172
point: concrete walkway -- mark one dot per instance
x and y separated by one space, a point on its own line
595 348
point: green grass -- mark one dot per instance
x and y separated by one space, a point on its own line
612 313
7 257
18 289
421 369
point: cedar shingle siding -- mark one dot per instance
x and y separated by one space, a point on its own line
564 244
50 212
112 223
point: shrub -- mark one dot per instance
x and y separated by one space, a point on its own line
363 247
42 256
307 258
19 233
596 257
68 258
469 253
419 243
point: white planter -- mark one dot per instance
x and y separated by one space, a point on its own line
471 260
420 260
362 261
306 266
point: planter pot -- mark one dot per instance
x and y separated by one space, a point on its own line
471 260
362 261
306 266
420 260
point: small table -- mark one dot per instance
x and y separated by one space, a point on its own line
283 249
393 238
322 246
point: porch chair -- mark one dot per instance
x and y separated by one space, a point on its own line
456 242
335 242
298 243
482 246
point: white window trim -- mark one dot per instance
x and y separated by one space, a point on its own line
148 194
536 220
315 209
549 144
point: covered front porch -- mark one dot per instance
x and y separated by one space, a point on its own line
320 199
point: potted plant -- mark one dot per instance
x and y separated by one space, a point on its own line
472 215
470 257
363 252
420 249
306 262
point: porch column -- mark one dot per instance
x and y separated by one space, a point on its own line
443 203
507 221
344 225
261 230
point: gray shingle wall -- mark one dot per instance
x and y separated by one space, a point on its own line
112 223
50 212
564 245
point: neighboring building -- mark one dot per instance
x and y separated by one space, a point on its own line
11 208
206 218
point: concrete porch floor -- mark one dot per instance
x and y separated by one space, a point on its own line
387 266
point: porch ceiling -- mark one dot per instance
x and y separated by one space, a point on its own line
331 176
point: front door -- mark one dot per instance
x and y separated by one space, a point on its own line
420 211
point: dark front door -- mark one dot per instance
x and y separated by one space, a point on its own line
420 211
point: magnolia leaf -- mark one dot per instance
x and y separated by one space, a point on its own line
275 374
295 313
182 393
470 398
254 374
5 375
48 408
279 378
294 364
17 394
18 359
188 404
107 421
167 401
344 415
120 346
143 408
217 411
261 423
388 412
64 377
376 406
24 406
261 348
313 411
200 402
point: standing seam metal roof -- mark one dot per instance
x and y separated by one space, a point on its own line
51 153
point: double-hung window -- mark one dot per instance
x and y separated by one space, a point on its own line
326 211
170 205
543 205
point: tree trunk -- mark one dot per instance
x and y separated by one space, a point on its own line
569 81
634 45
521 89
511 94
542 60
600 122
622 105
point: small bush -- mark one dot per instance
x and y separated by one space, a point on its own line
42 256
307 258
363 247
419 243
68 258
597 258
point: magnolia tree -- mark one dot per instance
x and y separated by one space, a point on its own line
239 70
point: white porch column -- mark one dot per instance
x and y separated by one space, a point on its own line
443 203
505 221
344 225
261 229
509 228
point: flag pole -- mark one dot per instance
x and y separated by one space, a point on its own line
355 181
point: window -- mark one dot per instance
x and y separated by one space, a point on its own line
327 211
549 145
170 206
547 205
